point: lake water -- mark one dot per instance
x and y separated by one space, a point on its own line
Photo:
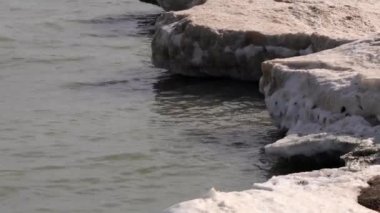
87 124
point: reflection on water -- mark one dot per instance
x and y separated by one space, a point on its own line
228 116
301 163
216 88
217 104
125 25
213 103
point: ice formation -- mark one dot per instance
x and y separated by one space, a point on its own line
323 88
232 39
328 191
329 101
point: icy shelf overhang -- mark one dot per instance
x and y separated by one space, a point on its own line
329 101
232 38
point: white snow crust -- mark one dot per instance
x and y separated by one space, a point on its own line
232 38
327 191
328 101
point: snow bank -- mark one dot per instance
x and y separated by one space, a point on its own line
329 101
232 38
328 191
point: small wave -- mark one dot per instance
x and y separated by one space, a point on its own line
143 19
79 85
54 26
50 60
123 156
6 39
49 167
123 25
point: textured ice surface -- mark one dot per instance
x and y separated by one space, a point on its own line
328 191
329 101
232 38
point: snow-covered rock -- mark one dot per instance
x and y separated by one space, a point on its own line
232 38
329 101
328 191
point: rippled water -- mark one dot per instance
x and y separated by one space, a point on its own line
88 125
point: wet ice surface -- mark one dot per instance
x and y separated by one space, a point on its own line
88 125
326 190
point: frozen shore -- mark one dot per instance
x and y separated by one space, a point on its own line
325 96
318 63
328 101
232 39
327 190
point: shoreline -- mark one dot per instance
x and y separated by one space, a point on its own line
327 190
320 81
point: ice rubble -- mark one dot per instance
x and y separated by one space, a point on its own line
328 191
232 39
329 101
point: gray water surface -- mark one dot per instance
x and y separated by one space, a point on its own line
88 125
